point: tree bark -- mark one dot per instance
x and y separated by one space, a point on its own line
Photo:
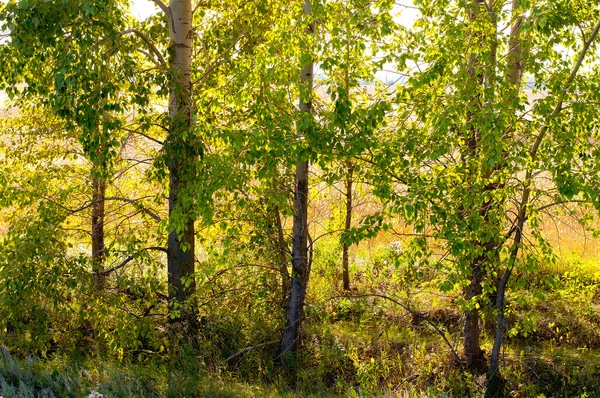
180 152
471 344
98 212
515 49
295 302
348 225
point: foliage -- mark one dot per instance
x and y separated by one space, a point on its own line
469 167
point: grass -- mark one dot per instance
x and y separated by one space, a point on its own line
61 377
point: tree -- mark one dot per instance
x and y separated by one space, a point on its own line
353 49
46 199
455 166
83 91
77 45
181 155
567 190
297 293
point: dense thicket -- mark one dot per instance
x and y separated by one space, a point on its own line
239 179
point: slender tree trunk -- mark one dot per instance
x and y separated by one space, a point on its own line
494 385
180 150
98 211
471 344
348 224
295 303
515 49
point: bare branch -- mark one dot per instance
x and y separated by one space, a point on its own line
161 126
250 348
150 57
414 313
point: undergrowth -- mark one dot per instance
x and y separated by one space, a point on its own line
356 344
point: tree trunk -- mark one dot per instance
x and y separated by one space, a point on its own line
98 203
180 152
471 345
494 385
295 303
347 226
515 49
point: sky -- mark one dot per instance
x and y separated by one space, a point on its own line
143 8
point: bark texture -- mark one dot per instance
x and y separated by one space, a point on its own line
295 302
471 344
98 213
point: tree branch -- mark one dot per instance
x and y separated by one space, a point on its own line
413 313
148 42
159 142
250 348
129 259
150 57
126 200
